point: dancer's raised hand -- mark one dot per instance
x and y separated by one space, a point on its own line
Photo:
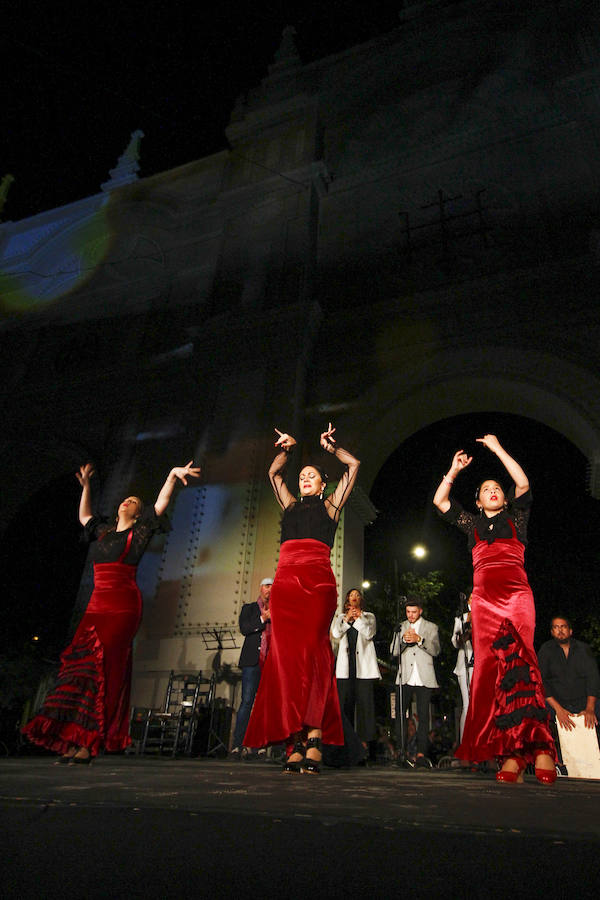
284 441
327 440
85 473
460 461
491 442
185 472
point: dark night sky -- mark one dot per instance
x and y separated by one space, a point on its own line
83 76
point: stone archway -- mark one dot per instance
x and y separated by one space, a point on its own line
542 387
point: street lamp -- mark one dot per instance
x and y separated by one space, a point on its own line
366 585
419 551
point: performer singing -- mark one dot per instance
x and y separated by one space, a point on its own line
297 699
507 717
89 706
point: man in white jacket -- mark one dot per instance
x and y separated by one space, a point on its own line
417 642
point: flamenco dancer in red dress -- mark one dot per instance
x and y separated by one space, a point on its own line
297 700
88 709
507 715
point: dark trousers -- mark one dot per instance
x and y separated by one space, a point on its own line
250 680
423 697
357 701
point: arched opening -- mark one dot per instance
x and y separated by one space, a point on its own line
545 389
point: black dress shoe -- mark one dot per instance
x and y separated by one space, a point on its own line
80 760
294 768
312 766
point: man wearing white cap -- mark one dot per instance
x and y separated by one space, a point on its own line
255 625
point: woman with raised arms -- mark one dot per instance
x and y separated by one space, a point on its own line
507 715
297 700
88 709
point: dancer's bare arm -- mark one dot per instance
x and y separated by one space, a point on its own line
85 503
179 473
511 465
441 498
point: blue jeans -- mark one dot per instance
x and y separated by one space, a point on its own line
250 680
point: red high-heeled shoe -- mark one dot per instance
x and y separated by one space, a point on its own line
545 776
509 777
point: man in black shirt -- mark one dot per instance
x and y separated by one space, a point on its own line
570 675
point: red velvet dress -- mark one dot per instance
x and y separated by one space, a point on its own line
507 712
89 704
297 687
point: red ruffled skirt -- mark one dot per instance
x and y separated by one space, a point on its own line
89 705
297 687
507 710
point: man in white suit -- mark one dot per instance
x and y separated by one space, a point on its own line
417 643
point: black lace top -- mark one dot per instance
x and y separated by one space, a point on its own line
308 518
108 544
488 528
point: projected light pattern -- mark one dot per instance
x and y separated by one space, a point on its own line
207 560
49 255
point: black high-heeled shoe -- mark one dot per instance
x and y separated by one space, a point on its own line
294 768
81 760
312 766
66 758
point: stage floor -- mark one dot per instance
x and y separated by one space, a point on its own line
148 827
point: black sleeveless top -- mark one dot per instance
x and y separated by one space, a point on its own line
307 518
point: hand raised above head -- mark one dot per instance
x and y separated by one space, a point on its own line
327 439
185 472
460 461
490 441
284 441
85 473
